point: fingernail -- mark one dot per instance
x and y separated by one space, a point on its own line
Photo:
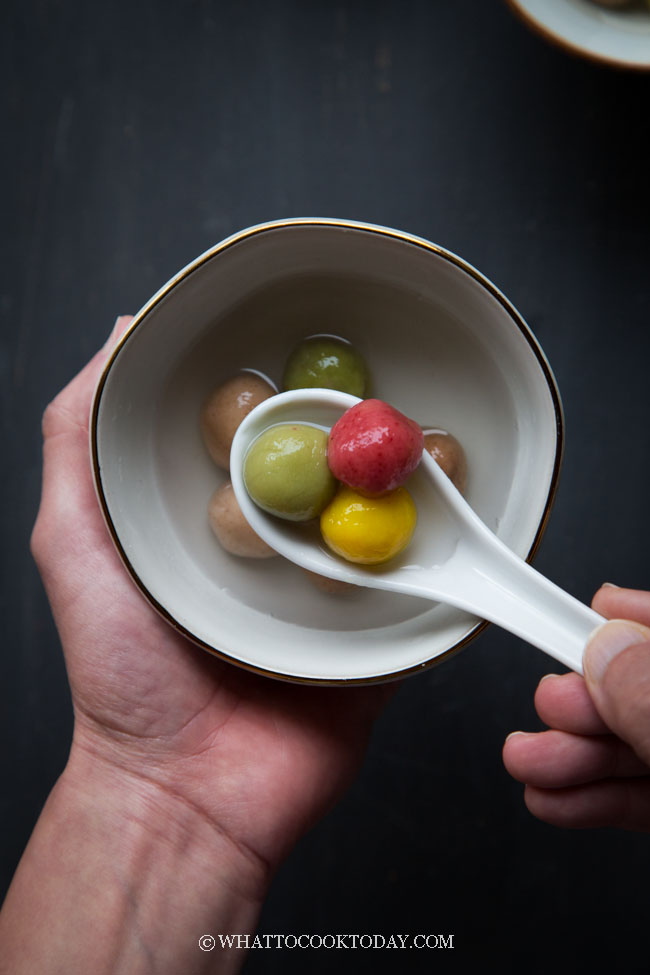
513 734
111 341
609 585
607 642
546 677
109 337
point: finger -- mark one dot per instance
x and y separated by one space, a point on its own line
621 803
557 760
617 672
628 604
562 701
70 409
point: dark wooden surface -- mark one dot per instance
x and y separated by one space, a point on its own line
137 135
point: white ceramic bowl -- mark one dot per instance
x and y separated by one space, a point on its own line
443 345
616 36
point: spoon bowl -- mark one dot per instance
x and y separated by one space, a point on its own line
454 557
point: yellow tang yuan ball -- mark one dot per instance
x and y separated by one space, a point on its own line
368 530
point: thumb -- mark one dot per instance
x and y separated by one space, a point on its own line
617 671
71 407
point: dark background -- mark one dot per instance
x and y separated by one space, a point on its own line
137 135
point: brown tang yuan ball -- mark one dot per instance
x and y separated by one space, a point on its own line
448 453
231 528
226 407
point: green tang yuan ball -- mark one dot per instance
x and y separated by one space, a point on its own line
326 362
286 472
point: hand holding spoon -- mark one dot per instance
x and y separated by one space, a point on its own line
454 558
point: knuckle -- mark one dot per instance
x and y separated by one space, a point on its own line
630 695
37 540
50 420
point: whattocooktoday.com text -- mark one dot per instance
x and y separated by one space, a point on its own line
340 942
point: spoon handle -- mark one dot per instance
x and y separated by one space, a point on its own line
509 592
489 580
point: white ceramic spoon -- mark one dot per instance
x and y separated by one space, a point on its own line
453 557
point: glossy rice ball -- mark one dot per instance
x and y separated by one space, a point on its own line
231 528
448 453
226 407
326 362
333 587
286 471
368 530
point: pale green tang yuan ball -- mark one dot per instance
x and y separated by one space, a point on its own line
286 472
326 362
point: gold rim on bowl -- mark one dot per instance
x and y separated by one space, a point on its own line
349 225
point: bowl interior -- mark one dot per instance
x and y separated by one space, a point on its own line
442 346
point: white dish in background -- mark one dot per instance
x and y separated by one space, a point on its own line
443 345
617 36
